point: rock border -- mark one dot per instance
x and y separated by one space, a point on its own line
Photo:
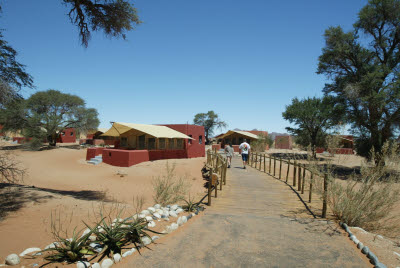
168 212
373 259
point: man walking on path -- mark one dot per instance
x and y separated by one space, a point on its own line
245 147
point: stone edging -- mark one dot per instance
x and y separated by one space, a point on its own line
364 249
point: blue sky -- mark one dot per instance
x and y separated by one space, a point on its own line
245 60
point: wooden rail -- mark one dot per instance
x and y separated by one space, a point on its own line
299 175
218 166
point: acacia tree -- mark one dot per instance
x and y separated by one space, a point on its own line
313 118
363 66
210 121
47 113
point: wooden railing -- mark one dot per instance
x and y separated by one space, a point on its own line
218 167
259 161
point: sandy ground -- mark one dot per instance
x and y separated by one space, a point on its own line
60 180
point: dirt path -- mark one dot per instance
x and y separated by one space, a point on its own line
253 223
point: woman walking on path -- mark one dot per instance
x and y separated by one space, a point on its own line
229 153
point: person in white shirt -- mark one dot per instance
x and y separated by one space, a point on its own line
245 147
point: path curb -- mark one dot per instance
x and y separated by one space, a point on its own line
364 249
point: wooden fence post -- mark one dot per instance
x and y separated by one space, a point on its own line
280 167
294 173
274 165
210 187
259 167
221 177
287 172
304 179
269 165
325 196
216 187
311 183
299 178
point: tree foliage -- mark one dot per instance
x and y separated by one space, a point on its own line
114 17
46 113
363 66
313 118
210 121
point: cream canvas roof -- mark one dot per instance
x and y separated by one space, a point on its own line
126 129
244 133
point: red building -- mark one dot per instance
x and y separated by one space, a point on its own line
140 143
283 142
68 135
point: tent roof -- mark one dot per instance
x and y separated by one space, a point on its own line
156 131
244 133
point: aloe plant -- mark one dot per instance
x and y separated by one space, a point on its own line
69 250
191 205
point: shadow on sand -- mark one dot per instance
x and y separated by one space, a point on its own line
13 197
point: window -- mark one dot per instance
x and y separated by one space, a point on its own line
151 144
142 142
179 143
161 143
240 140
190 141
200 139
124 141
171 143
72 134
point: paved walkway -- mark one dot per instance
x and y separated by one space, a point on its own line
252 224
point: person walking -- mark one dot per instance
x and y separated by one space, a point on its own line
229 153
245 147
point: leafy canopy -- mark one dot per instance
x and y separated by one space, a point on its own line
313 118
363 66
46 113
210 121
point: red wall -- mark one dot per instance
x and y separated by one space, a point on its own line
67 138
283 142
92 152
216 147
1 133
194 149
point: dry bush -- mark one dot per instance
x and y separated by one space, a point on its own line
262 142
367 202
169 188
10 169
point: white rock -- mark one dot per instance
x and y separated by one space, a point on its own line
173 214
172 227
12 259
92 238
174 207
85 232
359 228
181 220
159 211
157 215
132 250
145 212
52 245
397 254
149 218
157 206
151 209
193 214
154 238
380 237
165 209
81 264
117 220
106 263
151 224
96 265
28 251
179 210
126 254
117 257
141 216
165 214
146 240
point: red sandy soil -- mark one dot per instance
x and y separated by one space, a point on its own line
60 180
